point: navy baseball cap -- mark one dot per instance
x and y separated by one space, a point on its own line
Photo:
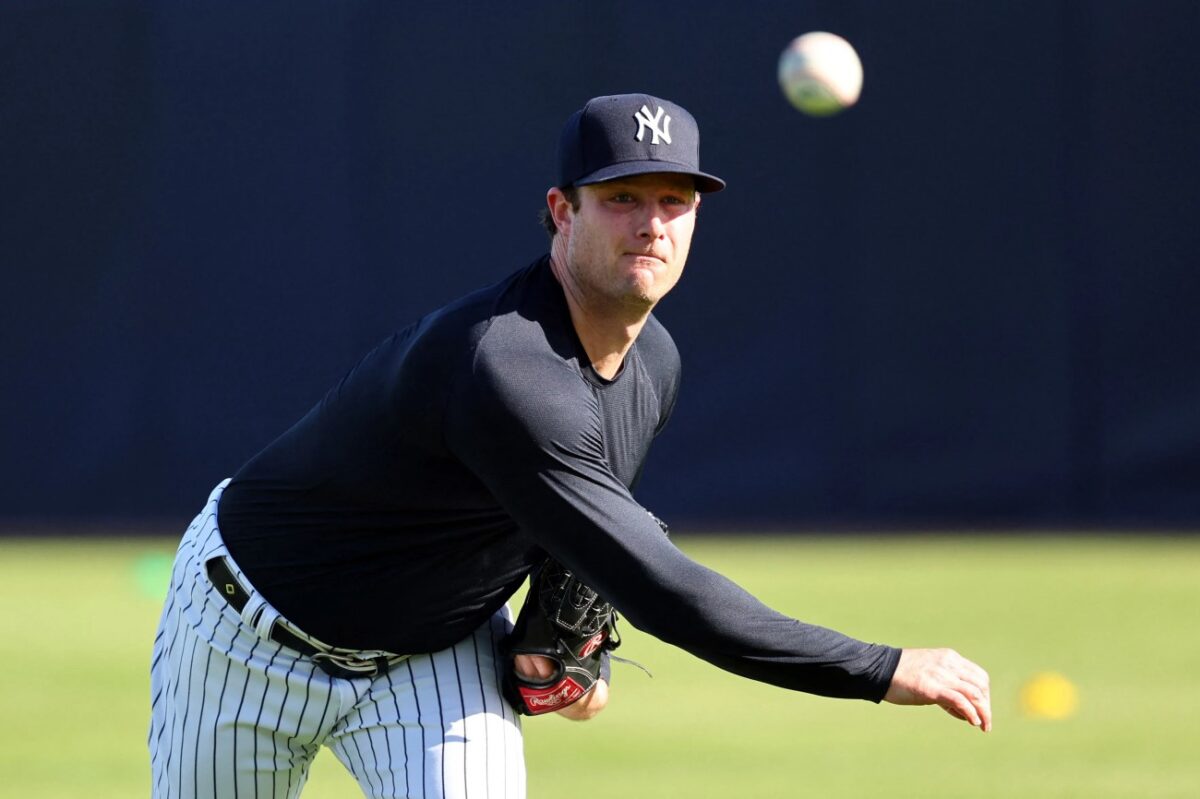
630 134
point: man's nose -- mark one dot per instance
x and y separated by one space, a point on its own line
652 226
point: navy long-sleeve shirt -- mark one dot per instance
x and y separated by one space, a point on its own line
410 503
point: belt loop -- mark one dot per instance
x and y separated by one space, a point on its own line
254 606
266 619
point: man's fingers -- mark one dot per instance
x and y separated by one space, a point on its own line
974 674
534 667
982 701
959 705
976 685
971 704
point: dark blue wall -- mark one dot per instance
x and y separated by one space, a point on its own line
969 300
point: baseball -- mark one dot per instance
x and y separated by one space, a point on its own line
820 73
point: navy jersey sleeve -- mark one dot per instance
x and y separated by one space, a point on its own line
532 434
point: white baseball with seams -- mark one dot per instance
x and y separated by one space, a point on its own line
820 73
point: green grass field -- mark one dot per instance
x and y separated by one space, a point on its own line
1117 615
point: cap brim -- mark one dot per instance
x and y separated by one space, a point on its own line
705 183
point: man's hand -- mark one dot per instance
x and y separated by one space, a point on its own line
536 667
945 678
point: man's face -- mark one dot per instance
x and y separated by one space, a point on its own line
627 243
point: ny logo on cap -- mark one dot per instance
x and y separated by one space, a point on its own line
644 121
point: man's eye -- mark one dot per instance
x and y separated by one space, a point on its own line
623 197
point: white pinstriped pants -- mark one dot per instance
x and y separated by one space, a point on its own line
236 715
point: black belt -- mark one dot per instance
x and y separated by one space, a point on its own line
227 586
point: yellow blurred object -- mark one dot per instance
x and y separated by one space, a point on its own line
1049 696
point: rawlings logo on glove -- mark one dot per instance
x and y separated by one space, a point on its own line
556 698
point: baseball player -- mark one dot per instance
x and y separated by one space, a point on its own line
347 586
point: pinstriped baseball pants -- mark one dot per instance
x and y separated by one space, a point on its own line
234 714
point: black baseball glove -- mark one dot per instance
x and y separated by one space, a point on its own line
568 623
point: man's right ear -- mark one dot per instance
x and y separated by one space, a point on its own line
560 208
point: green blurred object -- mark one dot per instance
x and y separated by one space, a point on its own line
152 574
1115 614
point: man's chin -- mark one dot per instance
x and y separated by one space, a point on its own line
643 300
648 284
